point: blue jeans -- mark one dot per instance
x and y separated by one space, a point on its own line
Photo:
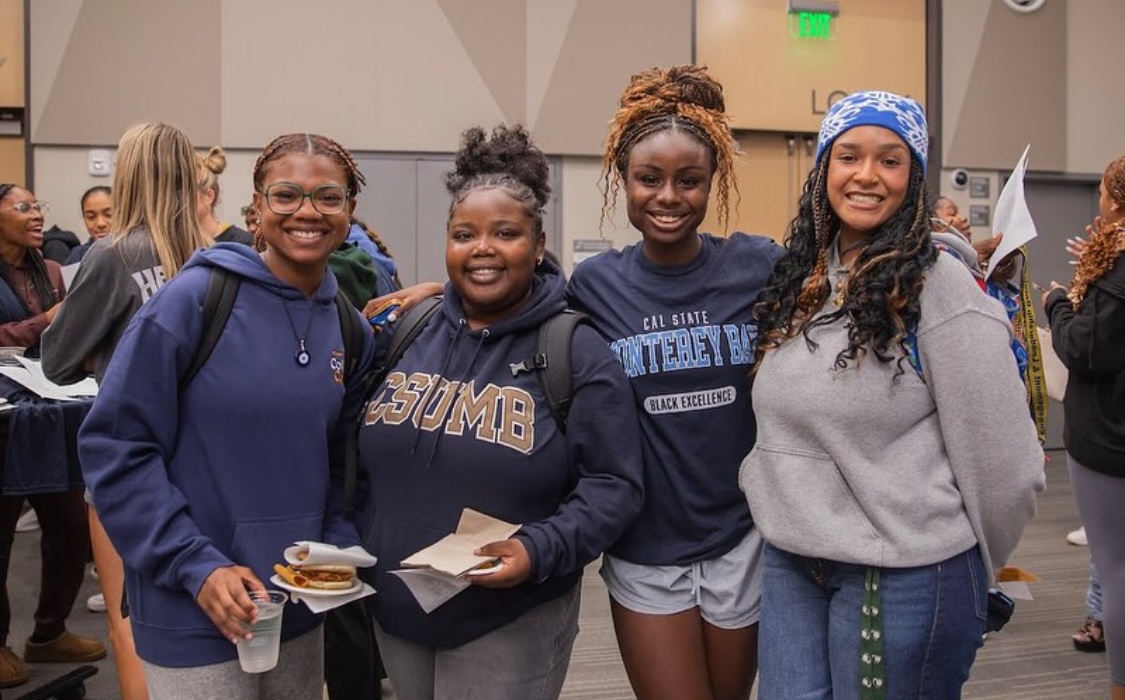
933 619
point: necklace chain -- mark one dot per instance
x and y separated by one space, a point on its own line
302 355
842 289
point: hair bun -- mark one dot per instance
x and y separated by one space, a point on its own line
508 151
215 160
685 84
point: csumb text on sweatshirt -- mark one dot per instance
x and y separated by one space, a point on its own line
452 427
232 469
685 337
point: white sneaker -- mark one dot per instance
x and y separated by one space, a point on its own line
96 603
28 522
1077 537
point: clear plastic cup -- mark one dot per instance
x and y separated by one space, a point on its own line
259 654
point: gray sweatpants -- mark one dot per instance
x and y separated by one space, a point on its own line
299 675
1100 498
526 659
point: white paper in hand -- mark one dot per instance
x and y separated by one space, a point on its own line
431 588
1012 217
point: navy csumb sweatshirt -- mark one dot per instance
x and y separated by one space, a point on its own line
453 428
231 470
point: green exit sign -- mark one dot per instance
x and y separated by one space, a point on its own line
811 25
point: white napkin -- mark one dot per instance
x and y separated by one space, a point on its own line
321 604
321 553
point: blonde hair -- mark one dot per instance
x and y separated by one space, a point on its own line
208 168
154 187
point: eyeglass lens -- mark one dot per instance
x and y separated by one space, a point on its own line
286 198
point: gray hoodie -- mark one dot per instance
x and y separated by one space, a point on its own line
851 466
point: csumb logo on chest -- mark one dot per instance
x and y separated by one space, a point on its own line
684 341
499 415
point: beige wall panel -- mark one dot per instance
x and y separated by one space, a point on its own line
388 76
11 53
775 81
12 161
1016 93
51 26
1095 105
963 23
769 180
606 43
128 61
582 209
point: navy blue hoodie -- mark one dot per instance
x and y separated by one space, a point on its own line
685 336
452 428
231 470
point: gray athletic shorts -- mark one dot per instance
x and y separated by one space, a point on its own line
727 590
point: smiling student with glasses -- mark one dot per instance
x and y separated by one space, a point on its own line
191 558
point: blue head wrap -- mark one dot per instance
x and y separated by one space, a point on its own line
901 115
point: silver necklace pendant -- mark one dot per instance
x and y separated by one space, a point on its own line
302 356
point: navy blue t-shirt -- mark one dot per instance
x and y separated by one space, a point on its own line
685 338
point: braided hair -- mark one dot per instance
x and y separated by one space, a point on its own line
1102 249
311 144
880 298
508 161
373 237
36 267
682 98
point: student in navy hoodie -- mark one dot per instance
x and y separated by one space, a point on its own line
452 427
201 489
685 580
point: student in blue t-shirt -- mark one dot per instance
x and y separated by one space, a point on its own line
685 580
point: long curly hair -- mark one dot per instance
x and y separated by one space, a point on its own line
880 296
682 97
507 160
1102 249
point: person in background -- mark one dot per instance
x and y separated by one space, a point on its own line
208 169
945 210
363 236
58 243
1088 332
573 489
881 365
153 236
97 214
676 308
30 291
203 500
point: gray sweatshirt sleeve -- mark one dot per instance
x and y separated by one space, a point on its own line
91 318
986 426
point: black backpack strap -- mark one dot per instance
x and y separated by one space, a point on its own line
218 300
556 373
353 331
406 330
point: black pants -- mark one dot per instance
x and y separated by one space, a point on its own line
353 669
64 548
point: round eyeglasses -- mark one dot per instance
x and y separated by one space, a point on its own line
25 207
284 198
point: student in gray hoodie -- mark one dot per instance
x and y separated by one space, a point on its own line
896 463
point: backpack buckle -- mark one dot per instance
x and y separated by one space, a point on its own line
535 362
